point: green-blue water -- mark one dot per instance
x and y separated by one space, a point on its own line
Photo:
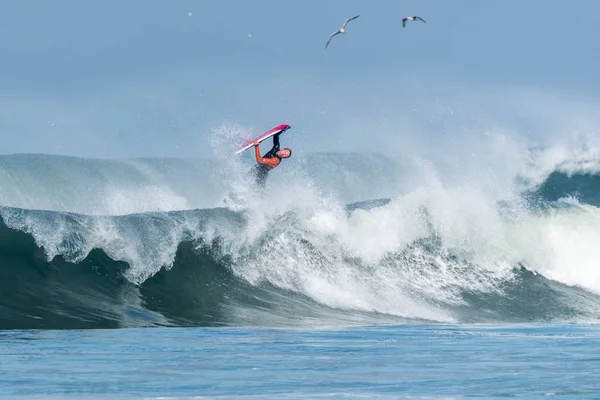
405 361
438 292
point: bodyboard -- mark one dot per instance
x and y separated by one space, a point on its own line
249 143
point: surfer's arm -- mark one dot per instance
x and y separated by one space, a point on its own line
275 147
268 162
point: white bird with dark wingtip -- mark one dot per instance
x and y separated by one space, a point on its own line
341 30
415 18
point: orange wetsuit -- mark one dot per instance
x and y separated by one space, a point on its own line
266 163
269 162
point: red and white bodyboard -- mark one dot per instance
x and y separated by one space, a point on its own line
249 143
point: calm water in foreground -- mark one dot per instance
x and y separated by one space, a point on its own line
408 361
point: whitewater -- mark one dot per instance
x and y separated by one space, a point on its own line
508 235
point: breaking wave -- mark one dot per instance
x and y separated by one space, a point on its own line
124 243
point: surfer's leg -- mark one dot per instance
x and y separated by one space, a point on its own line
260 173
261 179
262 182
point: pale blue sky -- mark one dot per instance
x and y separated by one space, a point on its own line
124 78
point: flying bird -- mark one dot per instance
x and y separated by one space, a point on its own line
415 18
341 30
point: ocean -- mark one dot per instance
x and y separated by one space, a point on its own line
412 361
352 276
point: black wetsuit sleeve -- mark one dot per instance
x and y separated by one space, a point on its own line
275 148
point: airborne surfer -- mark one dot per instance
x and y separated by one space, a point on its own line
269 161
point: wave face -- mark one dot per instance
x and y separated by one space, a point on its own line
306 253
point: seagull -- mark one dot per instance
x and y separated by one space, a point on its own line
415 18
341 30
